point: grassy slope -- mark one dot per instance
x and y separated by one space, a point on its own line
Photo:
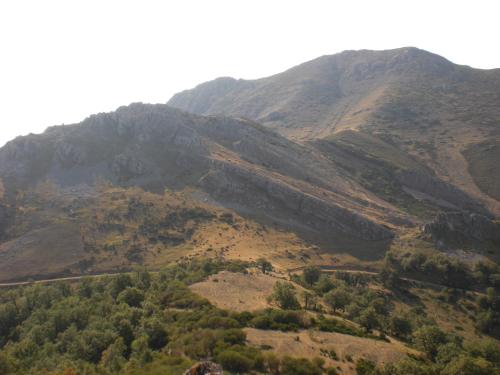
57 233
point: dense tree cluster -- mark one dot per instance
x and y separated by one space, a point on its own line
141 323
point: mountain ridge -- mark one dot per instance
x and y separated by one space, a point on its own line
428 107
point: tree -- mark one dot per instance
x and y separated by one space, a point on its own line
324 284
310 300
113 358
141 354
369 319
337 299
264 265
131 296
390 277
428 339
311 274
157 336
285 296
5 364
235 362
400 326
119 283
486 321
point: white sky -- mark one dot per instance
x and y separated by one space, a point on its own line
61 61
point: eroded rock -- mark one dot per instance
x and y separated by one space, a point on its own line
462 228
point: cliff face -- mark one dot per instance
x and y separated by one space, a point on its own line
238 162
465 229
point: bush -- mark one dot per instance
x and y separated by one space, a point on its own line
400 326
299 366
428 339
288 320
235 362
365 367
131 296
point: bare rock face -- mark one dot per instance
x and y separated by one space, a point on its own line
234 184
205 368
69 155
462 228
441 191
238 162
127 166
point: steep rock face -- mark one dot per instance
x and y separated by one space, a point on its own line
238 162
235 186
464 228
442 193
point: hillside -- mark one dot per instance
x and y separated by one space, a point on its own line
428 108
341 217
214 162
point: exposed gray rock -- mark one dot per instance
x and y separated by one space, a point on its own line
440 192
127 166
69 155
233 183
236 161
464 228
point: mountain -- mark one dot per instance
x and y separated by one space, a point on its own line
340 217
407 101
336 159
220 161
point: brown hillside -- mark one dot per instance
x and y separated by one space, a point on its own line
427 107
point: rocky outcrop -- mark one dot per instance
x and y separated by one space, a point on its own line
440 192
126 167
232 183
236 161
69 155
464 228
205 368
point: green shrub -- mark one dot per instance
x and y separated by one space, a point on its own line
234 361
299 366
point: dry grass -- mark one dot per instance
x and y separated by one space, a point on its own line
309 344
237 291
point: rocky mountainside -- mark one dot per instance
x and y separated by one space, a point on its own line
238 163
342 153
435 112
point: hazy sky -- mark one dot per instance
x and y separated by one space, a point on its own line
63 60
